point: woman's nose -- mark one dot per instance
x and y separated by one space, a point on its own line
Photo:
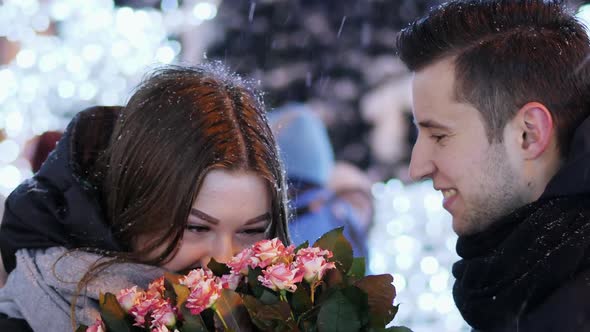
223 248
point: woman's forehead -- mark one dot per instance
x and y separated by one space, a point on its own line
233 195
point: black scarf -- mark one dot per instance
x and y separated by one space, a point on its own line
513 266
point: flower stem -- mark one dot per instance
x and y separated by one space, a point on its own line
283 297
314 286
221 319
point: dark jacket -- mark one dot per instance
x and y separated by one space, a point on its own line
568 307
61 205
531 269
571 302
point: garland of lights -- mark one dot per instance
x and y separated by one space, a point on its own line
412 239
98 54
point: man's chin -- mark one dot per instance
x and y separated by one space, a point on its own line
462 228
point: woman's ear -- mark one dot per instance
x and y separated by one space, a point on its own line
536 129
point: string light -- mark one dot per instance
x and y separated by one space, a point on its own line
93 53
98 55
413 240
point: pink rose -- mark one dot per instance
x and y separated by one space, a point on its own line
231 281
163 316
281 277
156 288
314 251
313 264
163 329
271 252
98 326
195 277
145 306
203 295
240 262
129 297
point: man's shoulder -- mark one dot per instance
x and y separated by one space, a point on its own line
566 309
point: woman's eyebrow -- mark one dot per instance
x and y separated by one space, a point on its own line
212 220
204 216
260 218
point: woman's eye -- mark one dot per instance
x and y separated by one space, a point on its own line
254 231
197 228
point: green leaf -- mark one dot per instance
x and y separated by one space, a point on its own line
334 278
270 317
113 315
360 300
218 269
171 279
182 292
190 322
82 328
337 313
269 297
310 317
255 286
231 308
169 291
301 246
308 326
335 241
381 293
253 305
357 270
301 299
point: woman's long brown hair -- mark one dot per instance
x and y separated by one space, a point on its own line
180 123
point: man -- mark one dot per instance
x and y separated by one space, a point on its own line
501 99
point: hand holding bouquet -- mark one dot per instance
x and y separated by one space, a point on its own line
267 287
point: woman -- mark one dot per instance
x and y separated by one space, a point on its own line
187 171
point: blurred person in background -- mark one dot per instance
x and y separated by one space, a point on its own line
39 147
353 185
309 161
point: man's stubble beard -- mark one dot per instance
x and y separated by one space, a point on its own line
500 192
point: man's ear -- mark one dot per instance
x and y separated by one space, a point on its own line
535 125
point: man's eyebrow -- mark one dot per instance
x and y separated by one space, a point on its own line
430 124
212 220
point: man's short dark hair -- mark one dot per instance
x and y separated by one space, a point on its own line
507 53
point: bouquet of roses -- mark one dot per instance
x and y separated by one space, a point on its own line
267 287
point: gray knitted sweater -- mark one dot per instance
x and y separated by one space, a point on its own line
42 287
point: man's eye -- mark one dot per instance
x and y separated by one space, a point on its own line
438 138
197 228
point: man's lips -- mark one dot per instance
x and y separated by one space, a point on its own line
449 196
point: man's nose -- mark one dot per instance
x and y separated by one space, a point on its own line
421 164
